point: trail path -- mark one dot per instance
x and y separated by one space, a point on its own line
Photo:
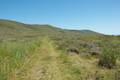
43 65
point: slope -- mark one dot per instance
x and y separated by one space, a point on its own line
13 29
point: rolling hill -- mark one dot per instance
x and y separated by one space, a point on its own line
15 29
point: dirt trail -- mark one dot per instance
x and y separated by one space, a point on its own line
43 66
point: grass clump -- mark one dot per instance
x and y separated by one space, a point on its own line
13 55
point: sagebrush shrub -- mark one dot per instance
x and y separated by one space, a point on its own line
108 58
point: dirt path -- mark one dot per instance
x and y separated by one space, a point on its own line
43 65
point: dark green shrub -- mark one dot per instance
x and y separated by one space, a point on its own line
108 58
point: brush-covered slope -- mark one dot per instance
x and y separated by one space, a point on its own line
15 29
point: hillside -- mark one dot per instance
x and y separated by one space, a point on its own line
45 52
16 29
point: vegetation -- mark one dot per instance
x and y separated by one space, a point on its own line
108 58
13 55
43 52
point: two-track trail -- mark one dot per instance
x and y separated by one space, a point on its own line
43 65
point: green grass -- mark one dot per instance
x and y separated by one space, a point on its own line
40 59
13 55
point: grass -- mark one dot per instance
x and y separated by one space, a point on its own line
40 60
13 55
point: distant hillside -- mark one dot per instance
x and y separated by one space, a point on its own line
13 29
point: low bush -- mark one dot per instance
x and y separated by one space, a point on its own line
108 58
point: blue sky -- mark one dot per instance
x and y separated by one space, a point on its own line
98 15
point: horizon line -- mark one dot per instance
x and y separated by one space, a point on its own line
53 25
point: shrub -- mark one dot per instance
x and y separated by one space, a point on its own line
108 58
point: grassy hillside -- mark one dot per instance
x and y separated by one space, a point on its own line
17 30
43 52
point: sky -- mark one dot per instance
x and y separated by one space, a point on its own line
98 15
